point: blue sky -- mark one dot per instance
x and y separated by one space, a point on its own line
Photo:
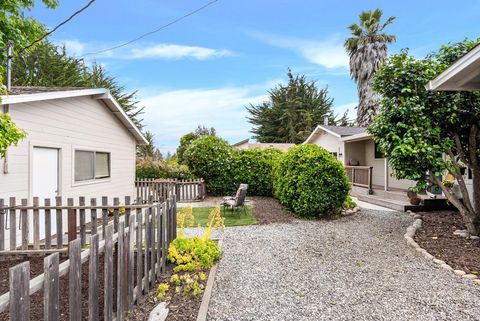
208 67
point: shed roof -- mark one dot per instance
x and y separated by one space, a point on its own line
337 131
30 94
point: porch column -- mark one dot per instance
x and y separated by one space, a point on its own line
386 174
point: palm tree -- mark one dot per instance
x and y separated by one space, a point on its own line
367 49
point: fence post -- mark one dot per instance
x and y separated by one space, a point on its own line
25 227
83 232
127 210
13 224
147 252
104 214
139 253
120 271
159 240
36 224
51 287
58 202
72 221
93 279
108 274
116 203
19 292
131 255
93 217
48 225
75 281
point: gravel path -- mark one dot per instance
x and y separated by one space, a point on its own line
355 268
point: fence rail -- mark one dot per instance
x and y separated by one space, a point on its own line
138 244
360 176
160 189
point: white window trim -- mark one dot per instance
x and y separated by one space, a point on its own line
95 180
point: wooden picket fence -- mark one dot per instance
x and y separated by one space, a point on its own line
138 243
185 190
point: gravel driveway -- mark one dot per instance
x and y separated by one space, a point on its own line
355 268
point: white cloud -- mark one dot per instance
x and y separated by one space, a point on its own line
172 51
172 114
143 50
74 47
351 107
328 53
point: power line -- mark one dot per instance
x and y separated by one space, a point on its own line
58 26
153 31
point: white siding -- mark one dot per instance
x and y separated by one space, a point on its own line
331 143
67 124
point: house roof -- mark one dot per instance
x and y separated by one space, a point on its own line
241 142
463 74
337 131
30 94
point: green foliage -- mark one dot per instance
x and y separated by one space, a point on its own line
210 158
201 217
416 127
185 142
310 181
50 66
10 134
255 168
292 112
149 151
193 254
148 168
349 203
15 26
187 139
162 290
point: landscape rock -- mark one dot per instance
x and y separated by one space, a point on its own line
459 272
159 313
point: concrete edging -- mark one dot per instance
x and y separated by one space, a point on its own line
411 230
207 294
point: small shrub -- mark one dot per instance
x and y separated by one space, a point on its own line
162 290
349 203
210 157
310 181
255 168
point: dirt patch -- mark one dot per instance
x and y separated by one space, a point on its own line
436 236
268 210
180 307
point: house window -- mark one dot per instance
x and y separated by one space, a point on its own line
91 165
378 153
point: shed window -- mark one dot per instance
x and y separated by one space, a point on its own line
91 165
378 153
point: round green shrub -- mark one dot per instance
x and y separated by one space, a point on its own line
310 181
210 158
255 168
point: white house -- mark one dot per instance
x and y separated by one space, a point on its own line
79 142
356 149
246 144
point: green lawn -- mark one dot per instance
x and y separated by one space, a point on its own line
237 218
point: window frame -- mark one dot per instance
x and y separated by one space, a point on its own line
376 152
94 180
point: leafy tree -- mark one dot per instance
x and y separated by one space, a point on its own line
367 49
149 151
204 131
427 134
48 65
16 27
187 139
9 134
292 112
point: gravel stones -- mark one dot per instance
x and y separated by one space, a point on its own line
354 268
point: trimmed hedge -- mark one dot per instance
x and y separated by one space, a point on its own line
210 157
311 182
161 169
255 168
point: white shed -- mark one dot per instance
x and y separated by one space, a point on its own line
79 142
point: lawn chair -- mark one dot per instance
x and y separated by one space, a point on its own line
237 201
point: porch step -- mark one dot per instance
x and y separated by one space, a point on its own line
390 195
393 204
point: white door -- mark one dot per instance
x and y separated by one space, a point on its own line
45 183
45 172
